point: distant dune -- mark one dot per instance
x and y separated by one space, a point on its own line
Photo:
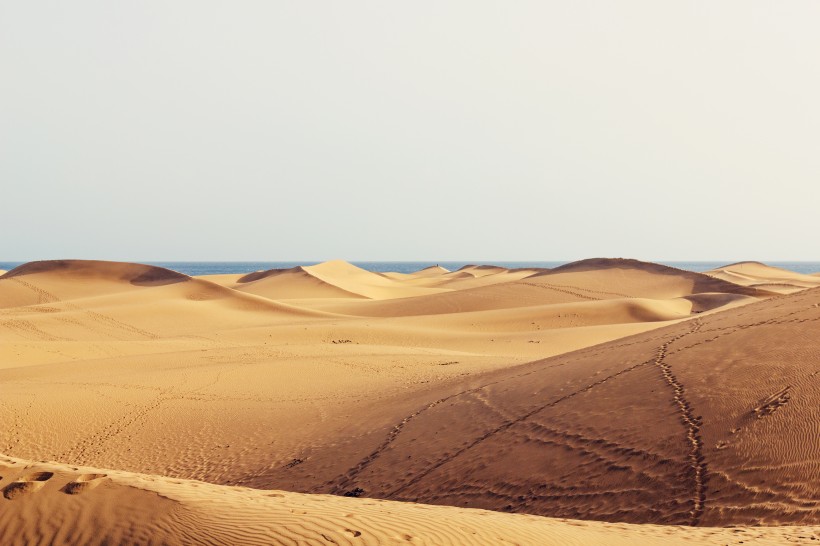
289 284
644 278
758 275
137 274
610 390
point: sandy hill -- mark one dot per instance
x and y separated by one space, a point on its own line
633 278
68 302
480 270
709 422
759 275
366 283
77 279
49 503
294 283
463 279
334 279
432 271
431 276
431 387
95 270
588 280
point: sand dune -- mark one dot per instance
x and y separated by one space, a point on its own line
758 275
432 271
58 504
336 279
632 278
430 386
365 283
577 282
709 422
29 283
294 283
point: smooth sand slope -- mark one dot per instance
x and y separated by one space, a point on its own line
332 379
49 503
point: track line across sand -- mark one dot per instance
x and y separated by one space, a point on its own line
511 422
563 290
99 318
692 424
347 481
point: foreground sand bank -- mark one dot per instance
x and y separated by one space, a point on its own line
50 503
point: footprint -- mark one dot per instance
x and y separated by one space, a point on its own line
83 483
772 403
27 484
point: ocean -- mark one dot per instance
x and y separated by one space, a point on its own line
213 268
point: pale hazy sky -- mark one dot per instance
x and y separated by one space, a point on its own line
384 130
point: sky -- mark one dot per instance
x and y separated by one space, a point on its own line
444 130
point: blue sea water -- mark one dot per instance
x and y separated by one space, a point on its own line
213 268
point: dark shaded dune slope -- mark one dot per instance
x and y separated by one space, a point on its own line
700 283
137 274
709 422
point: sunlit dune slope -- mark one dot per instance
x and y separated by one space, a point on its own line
294 283
588 280
53 306
357 281
756 274
431 271
49 503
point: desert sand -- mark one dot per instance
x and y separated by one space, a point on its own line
470 406
60 504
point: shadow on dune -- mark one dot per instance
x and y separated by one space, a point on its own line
256 275
701 283
136 274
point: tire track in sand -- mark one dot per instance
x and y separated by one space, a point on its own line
99 318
